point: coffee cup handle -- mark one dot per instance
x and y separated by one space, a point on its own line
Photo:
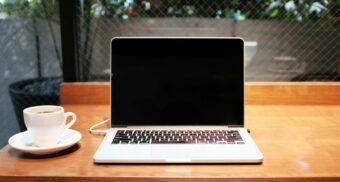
74 116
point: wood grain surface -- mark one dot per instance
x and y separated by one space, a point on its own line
299 144
85 93
292 93
256 93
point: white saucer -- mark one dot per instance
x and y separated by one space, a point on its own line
23 142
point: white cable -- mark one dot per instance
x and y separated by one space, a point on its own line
98 132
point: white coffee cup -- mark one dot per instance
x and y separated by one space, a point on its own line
46 124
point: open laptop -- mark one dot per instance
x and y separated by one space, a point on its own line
177 100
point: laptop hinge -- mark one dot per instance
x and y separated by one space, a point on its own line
235 126
125 126
119 126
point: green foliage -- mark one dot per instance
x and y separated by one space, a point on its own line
235 9
112 9
43 9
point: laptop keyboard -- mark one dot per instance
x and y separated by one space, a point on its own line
177 137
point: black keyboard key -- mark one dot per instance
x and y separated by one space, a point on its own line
124 142
177 137
115 141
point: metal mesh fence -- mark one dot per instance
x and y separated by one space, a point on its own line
30 60
286 40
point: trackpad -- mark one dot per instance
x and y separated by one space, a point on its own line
178 152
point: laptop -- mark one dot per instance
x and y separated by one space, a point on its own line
177 100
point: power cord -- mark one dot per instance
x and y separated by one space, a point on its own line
94 131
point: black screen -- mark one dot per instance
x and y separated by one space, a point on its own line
177 81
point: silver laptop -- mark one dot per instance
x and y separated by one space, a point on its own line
177 100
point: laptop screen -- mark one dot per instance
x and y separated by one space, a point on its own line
177 81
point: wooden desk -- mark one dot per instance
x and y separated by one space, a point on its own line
299 143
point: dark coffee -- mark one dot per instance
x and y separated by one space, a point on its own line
44 112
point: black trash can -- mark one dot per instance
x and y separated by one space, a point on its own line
33 92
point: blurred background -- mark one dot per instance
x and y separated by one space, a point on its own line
286 40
